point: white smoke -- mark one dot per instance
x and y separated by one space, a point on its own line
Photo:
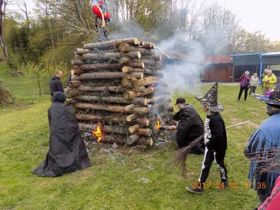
128 29
184 59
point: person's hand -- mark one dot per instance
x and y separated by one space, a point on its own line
172 127
103 24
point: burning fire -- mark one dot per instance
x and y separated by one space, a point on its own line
158 124
97 132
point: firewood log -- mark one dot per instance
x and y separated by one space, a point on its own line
132 139
129 95
144 132
133 129
131 117
124 47
105 128
77 62
128 69
148 45
111 43
109 56
128 81
81 51
113 99
101 66
149 62
75 83
115 119
87 88
113 108
132 63
146 81
78 72
146 141
102 75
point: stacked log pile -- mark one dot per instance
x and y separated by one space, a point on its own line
114 87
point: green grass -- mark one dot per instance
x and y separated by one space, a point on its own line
126 179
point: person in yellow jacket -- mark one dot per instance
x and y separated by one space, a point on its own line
269 81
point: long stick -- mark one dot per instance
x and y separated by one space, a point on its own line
183 153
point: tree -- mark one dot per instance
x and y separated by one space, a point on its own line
3 4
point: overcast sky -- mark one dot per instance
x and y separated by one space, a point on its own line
256 15
253 15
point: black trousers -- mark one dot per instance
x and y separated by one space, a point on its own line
252 90
241 91
209 157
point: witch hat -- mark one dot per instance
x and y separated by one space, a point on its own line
210 100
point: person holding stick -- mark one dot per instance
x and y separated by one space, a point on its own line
215 139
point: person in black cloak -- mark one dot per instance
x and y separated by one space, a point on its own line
67 151
190 126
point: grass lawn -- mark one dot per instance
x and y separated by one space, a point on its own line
124 179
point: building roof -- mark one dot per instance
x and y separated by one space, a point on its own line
218 59
271 54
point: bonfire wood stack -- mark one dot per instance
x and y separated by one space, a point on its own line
114 86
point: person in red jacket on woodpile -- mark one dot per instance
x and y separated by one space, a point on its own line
99 9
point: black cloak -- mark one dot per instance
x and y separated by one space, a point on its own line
190 126
67 152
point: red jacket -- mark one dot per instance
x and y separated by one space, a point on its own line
273 201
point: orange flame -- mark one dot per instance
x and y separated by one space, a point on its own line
158 124
97 132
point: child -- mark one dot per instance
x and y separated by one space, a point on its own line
215 139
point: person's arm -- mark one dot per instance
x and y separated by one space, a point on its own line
241 78
102 15
273 79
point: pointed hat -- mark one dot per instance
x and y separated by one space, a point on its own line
210 100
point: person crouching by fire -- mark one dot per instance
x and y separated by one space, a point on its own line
215 139
190 126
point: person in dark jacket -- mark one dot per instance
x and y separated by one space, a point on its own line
56 84
67 151
190 126
215 139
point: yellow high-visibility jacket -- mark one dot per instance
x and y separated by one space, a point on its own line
269 81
